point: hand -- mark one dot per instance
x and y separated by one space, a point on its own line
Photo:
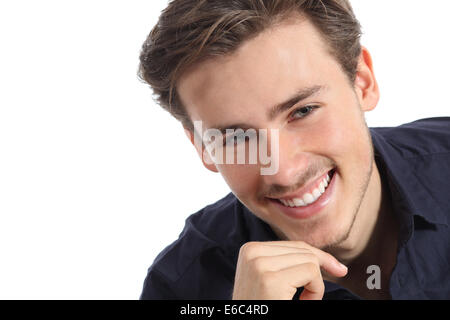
274 270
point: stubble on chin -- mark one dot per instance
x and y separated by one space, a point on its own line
347 234
328 235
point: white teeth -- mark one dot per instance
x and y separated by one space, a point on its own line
321 187
299 202
308 198
316 193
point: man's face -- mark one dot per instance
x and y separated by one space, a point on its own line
244 87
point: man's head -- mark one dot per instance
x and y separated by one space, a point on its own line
191 31
230 63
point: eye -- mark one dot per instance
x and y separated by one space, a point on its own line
234 140
238 138
302 112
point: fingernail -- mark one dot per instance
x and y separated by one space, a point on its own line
343 266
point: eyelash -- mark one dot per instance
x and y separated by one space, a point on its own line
235 140
310 108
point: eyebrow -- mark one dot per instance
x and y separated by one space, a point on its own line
300 95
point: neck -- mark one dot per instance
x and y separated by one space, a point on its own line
372 241
374 229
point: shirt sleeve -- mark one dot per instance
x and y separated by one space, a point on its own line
157 287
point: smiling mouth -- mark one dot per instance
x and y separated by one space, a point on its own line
311 196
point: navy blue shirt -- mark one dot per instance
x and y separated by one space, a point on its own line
414 163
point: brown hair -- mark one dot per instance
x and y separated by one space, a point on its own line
191 31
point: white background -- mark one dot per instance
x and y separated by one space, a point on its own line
95 179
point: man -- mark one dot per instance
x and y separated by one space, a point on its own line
350 212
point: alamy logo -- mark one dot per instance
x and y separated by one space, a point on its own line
374 281
232 144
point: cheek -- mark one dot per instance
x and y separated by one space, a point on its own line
346 141
243 180
342 135
328 138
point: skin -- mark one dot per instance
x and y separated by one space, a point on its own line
242 87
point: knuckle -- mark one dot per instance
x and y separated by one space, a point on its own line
302 244
315 259
247 248
312 268
308 257
311 256
258 264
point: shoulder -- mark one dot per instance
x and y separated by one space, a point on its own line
205 240
417 157
422 137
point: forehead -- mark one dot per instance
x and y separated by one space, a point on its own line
264 71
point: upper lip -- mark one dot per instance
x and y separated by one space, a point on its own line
308 187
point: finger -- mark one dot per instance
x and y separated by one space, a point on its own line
252 250
306 275
283 261
329 263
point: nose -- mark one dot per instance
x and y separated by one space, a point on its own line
292 161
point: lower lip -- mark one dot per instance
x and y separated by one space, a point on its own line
312 209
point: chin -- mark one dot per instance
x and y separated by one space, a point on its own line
322 234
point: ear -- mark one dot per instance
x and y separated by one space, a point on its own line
366 85
203 154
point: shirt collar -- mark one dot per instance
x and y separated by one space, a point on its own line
410 198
